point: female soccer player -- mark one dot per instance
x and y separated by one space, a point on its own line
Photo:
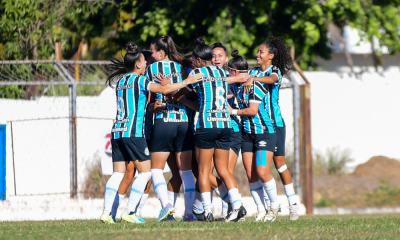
129 148
275 61
212 138
169 130
259 140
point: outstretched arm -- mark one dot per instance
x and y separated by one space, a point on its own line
252 110
157 88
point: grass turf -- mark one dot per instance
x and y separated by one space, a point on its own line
377 226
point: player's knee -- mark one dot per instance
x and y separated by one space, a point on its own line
145 175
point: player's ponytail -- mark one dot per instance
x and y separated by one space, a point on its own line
202 50
238 62
282 58
118 67
169 47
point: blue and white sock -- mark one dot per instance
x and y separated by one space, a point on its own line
111 190
117 201
222 192
172 197
289 190
188 189
270 188
141 203
197 204
206 201
235 198
160 186
257 192
137 189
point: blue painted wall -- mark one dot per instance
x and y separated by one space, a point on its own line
2 162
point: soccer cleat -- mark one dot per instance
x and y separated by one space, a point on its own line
106 218
271 215
165 212
130 218
260 216
199 216
221 219
140 219
209 218
293 215
170 218
236 214
242 219
188 218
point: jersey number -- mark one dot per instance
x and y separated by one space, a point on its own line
220 98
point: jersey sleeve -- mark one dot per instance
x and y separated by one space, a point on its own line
145 84
275 70
191 87
148 73
256 94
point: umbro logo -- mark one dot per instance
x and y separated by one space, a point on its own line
262 143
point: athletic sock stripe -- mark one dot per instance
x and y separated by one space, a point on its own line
111 189
291 195
256 189
136 191
160 184
237 201
189 190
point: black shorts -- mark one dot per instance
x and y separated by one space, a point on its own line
129 149
257 142
167 136
188 142
207 138
280 141
236 141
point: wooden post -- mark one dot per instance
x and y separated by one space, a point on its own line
78 57
58 51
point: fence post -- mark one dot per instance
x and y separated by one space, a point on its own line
296 140
72 124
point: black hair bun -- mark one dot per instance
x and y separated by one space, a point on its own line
199 41
235 53
131 48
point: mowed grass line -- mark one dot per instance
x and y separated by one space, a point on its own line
311 227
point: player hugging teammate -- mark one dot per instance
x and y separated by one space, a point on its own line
238 109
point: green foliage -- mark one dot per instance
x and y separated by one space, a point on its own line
332 162
384 196
325 202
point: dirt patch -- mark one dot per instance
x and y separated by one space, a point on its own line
356 189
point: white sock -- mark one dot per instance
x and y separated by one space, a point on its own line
257 192
224 208
222 192
289 190
270 188
197 204
212 193
188 189
172 197
235 198
117 201
111 190
267 202
160 186
137 189
141 203
206 201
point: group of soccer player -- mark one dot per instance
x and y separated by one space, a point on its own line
159 94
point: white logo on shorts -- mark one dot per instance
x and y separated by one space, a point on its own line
276 149
146 151
262 144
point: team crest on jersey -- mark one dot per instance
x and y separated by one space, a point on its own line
146 151
262 143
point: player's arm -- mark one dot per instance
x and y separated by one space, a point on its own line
191 79
190 104
241 78
252 110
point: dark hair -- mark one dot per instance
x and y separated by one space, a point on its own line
282 58
187 60
219 45
118 67
148 56
238 62
202 50
169 47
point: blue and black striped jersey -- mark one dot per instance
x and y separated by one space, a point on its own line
174 112
233 102
132 93
273 89
212 92
261 122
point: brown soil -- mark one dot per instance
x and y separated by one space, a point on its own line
352 190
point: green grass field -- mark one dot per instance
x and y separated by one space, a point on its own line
311 227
